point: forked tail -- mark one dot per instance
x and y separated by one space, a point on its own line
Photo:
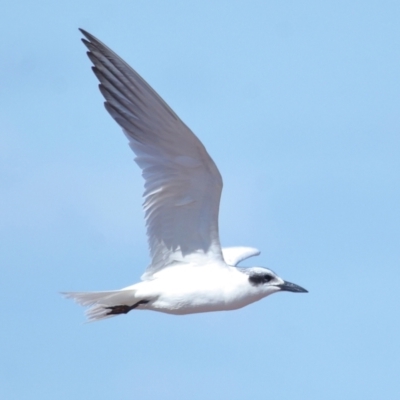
106 304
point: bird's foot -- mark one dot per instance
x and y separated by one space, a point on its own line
124 309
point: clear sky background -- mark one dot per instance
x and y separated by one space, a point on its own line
298 103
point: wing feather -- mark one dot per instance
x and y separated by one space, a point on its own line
234 255
182 183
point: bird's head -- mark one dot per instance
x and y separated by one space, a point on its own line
268 282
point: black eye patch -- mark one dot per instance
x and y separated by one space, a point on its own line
260 279
267 278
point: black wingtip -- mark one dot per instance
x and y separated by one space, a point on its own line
83 32
88 39
91 42
87 35
85 42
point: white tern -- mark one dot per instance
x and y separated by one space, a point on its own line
189 271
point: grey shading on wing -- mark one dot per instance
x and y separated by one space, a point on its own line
234 255
182 183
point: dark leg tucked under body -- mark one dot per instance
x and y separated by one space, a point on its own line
124 309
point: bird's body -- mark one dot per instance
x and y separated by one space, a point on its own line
189 271
186 289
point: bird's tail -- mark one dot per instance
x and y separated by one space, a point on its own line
105 304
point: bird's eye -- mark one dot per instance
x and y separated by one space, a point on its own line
267 278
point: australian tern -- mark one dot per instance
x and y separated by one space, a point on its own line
189 271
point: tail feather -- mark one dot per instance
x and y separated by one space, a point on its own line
100 302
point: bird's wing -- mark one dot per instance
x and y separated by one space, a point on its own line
233 255
182 183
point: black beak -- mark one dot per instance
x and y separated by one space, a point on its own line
291 287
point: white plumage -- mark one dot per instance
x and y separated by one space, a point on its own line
189 272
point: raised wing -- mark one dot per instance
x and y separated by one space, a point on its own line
233 255
182 183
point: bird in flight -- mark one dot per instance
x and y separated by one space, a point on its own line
189 272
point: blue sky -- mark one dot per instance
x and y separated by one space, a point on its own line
298 104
